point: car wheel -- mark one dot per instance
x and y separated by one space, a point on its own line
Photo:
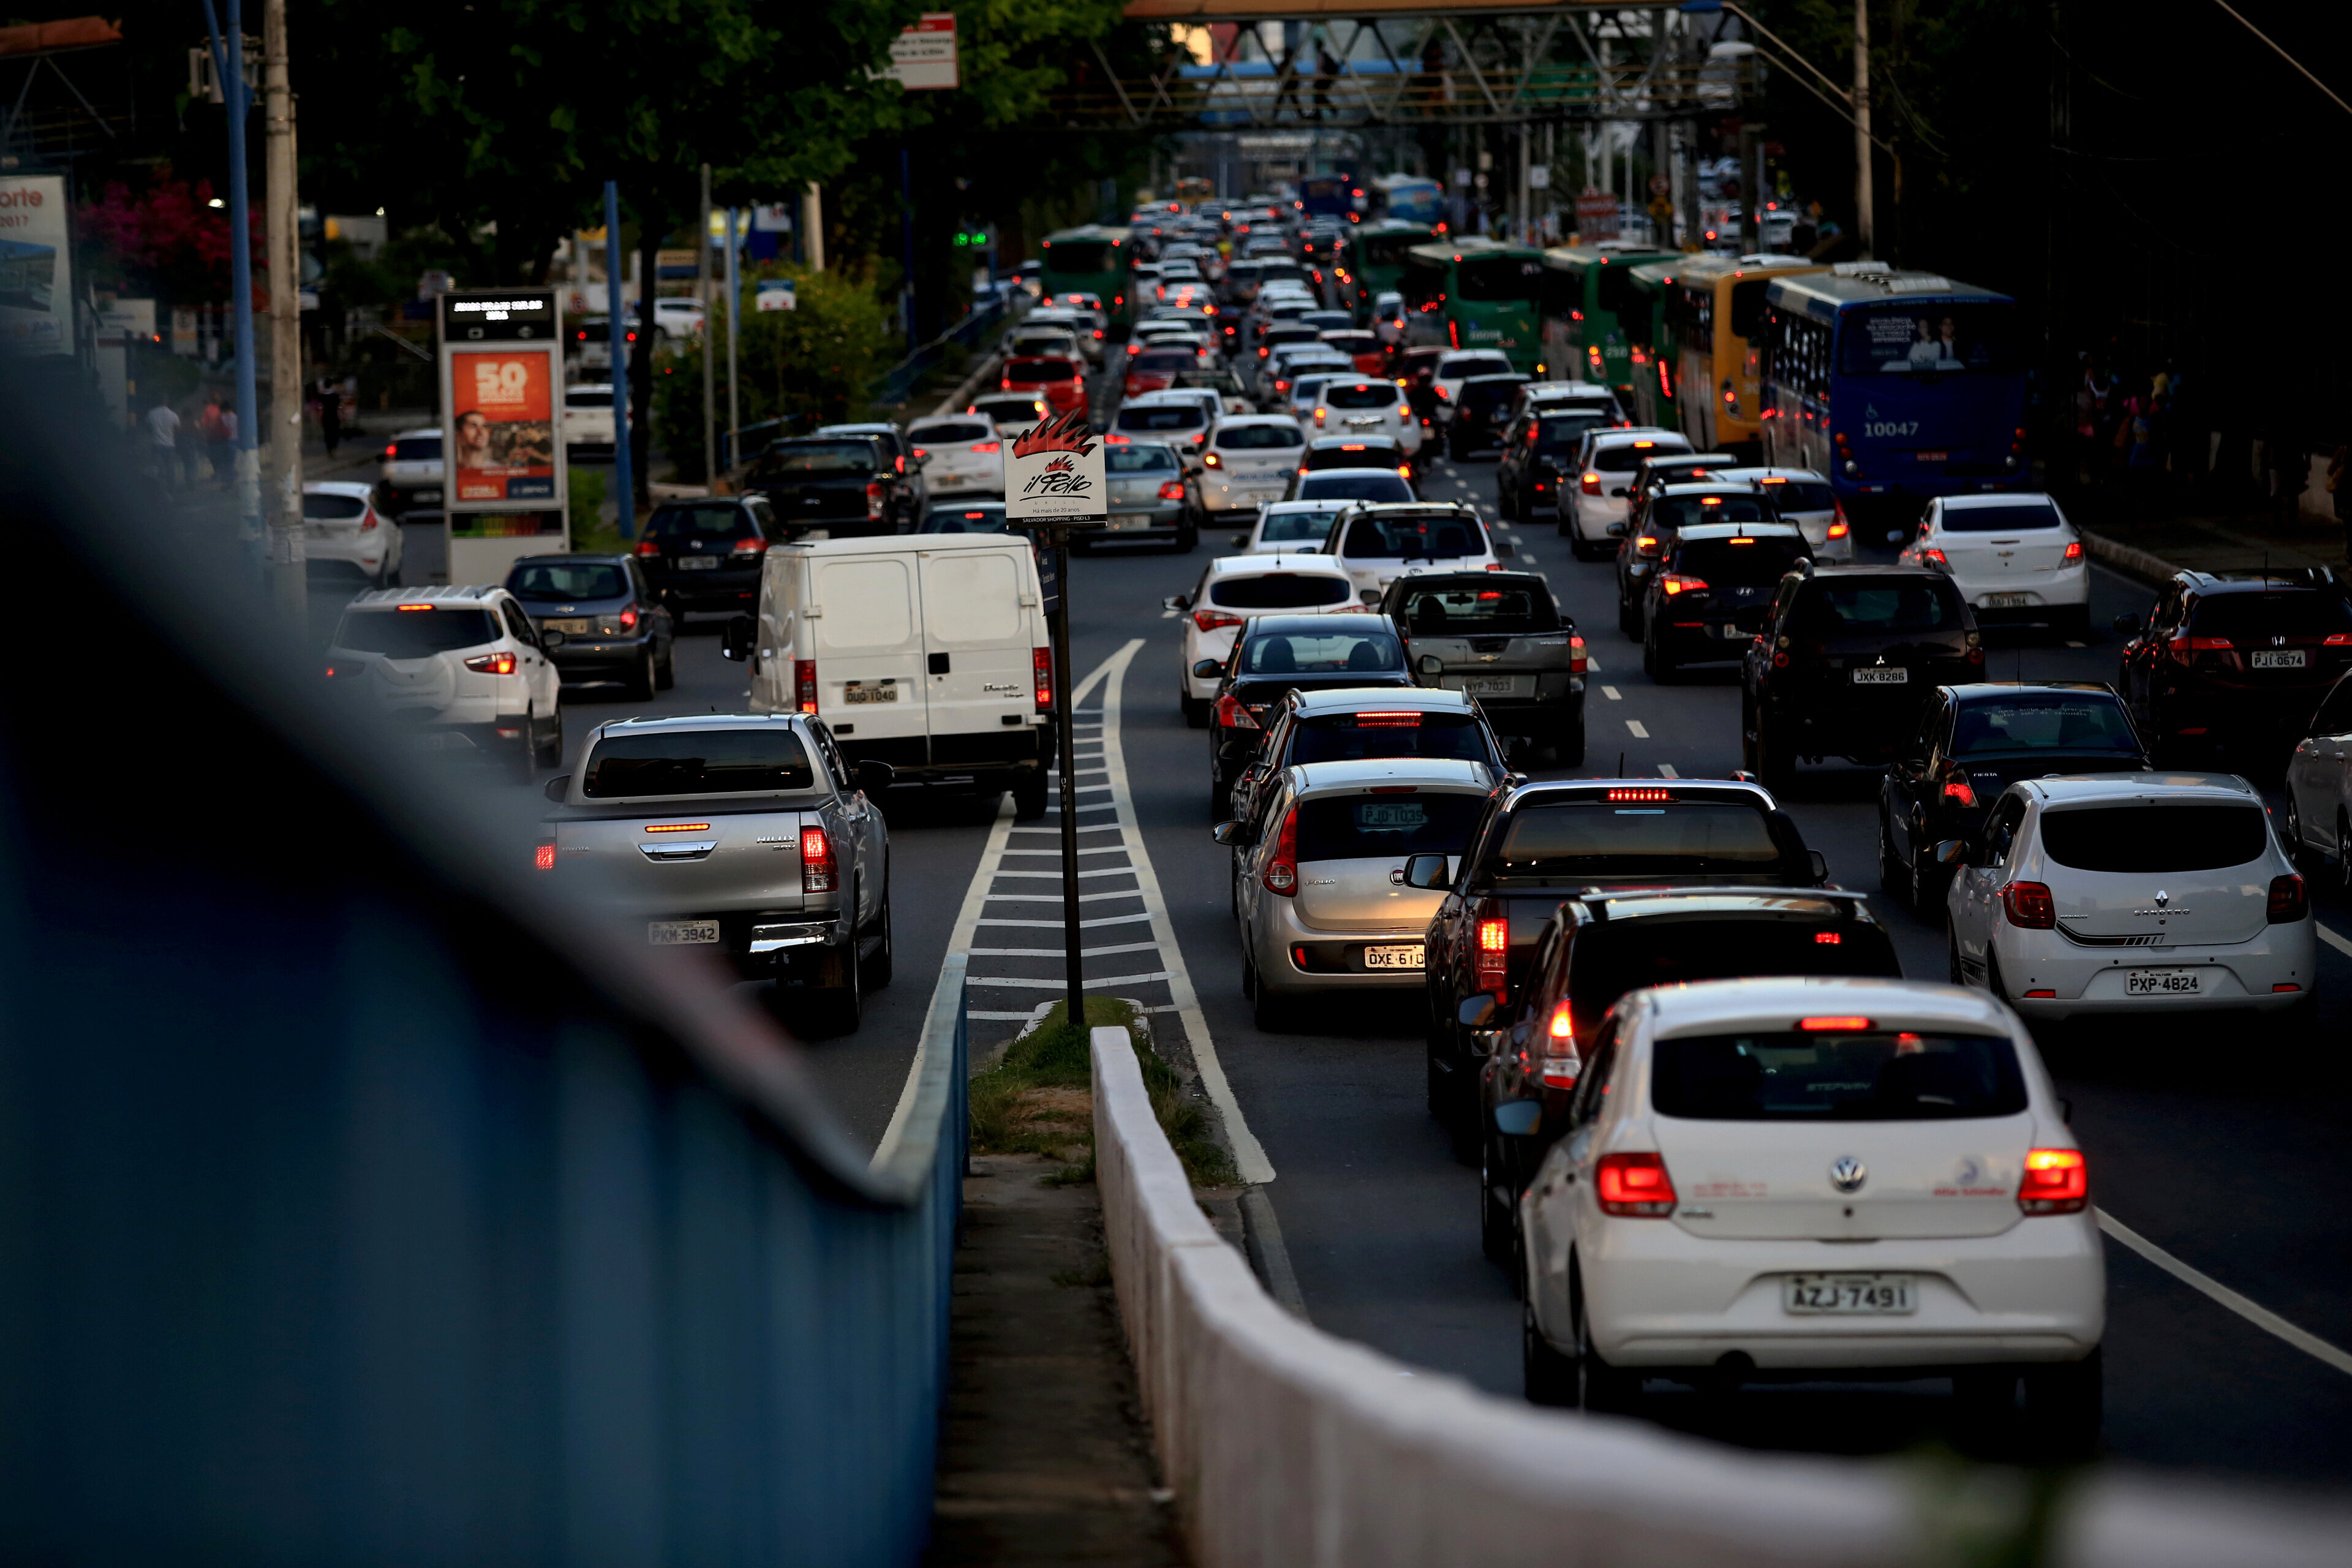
838 1009
1546 1376
1775 771
1601 1387
1269 1010
2065 1406
1029 795
1953 973
643 678
873 968
1495 1219
521 760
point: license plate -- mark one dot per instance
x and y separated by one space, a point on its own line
1407 956
572 629
428 495
854 692
1849 1293
2278 658
681 933
1489 685
1935 457
1882 674
2162 983
695 563
2007 601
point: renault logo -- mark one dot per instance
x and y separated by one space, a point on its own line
1847 1173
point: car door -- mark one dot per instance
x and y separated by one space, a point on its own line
979 665
541 681
1975 890
853 826
2140 656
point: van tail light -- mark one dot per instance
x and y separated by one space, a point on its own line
501 664
1592 484
874 500
1494 951
1232 715
1214 620
819 873
1281 875
754 546
2290 900
1634 1187
2074 550
1576 665
1674 582
2056 1181
648 547
2029 906
804 684
1646 547
1171 489
1041 675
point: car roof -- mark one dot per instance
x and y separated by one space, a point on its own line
1339 443
1470 579
1342 699
1700 532
1766 474
2068 789
596 557
1243 420
1510 378
2320 579
931 419
358 487
1273 560
1703 488
1446 772
894 543
689 722
1541 792
1876 569
468 596
1396 508
1639 435
1713 1003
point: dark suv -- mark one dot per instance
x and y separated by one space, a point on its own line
2230 665
1650 532
1538 448
706 554
846 485
1710 595
1844 661
1277 655
1482 411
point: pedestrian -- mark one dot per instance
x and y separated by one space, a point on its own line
1327 71
213 433
164 443
331 412
224 458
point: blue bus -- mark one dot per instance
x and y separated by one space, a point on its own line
1897 386
1409 199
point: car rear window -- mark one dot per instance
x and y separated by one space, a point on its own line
1289 527
1740 563
1361 394
1323 653
414 634
1886 606
2146 839
332 508
1150 459
1488 395
1561 431
1258 438
1624 458
1160 416
1377 736
820 457
2242 615
580 397
1607 961
1353 343
700 523
1463 365
1347 484
1165 360
1800 495
1041 370
985 517
1280 591
1414 538
1690 511
940 435
1798 1074
1356 455
1604 839
1386 826
2007 517
1008 408
1480 611
567 580
697 761
2067 723
417 449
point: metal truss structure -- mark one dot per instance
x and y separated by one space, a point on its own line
46 115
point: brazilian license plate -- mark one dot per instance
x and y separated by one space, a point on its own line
681 933
1850 1294
2278 658
854 692
696 563
2162 983
2007 601
1404 955
1882 674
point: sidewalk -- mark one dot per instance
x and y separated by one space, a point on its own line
2150 544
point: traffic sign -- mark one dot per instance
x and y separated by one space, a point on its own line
1660 185
1056 472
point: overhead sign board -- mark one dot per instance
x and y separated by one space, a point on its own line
36 287
923 57
1056 472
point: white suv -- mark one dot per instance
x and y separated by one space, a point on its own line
460 671
1604 466
1249 461
2130 893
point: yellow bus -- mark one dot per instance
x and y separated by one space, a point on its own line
1714 326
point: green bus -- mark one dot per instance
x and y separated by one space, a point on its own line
1091 260
1651 340
1372 261
1477 293
1589 291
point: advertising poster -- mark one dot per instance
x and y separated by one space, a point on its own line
1054 472
503 426
36 266
923 57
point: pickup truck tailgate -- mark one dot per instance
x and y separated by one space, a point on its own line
690 862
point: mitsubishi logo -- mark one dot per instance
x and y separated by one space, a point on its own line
1847 1173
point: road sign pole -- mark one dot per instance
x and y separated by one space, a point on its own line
1072 935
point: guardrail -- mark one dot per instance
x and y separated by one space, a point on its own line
360 1201
895 384
1286 1446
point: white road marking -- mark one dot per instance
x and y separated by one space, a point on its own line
1611 693
1059 982
1057 952
2340 943
1666 771
1591 665
1055 898
1635 725
1055 832
1057 854
1170 615
2077 644
2262 1317
1056 876
1057 925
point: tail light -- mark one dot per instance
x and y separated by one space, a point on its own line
390 451
2029 906
368 520
1041 677
1004 384
804 684
819 873
1171 489
1646 546
1676 583
1935 558
2074 550
988 448
922 455
1494 952
754 547
543 858
492 663
1318 416
1212 461
2056 1181
1281 874
1634 1187
2290 900
874 500
629 619
1232 715
1958 791
1560 1063
1442 397
648 547
1214 620
1840 528
1576 665
1591 482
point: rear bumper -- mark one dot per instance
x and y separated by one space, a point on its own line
2093 980
1335 960
599 659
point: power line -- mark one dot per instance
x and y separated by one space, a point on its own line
2282 54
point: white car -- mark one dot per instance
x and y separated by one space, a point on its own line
1380 542
461 668
1250 461
1234 588
1079 324
1804 500
1307 391
960 454
2131 893
676 319
588 418
1367 407
1181 420
1456 368
1816 1179
1053 340
412 471
1555 395
341 522
2318 825
1605 462
1289 527
2013 557
1010 412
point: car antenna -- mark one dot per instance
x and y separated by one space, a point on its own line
1620 764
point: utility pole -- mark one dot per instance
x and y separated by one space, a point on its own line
1864 224
812 229
282 496
702 293
734 304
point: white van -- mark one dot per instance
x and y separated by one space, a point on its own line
927 651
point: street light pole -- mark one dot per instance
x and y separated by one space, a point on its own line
1864 223
1074 964
702 293
625 496
734 304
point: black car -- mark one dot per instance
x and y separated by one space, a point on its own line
1416 371
1277 655
1675 508
1971 743
1356 452
1843 658
1499 639
1482 411
914 489
1598 947
1707 600
706 554
1537 448
614 626
2228 666
850 485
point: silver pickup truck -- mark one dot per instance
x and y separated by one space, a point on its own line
742 836
1498 638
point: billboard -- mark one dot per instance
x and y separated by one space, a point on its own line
502 399
36 265
1054 472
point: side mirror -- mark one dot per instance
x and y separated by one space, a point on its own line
1370 595
1234 835
1431 665
735 642
1182 601
1616 531
874 777
2127 625
549 641
1820 864
1503 550
1518 1117
1952 852
1207 670
556 788
1426 872
1241 541
1477 1010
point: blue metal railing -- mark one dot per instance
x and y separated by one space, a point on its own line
897 384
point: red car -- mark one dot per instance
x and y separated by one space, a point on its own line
1364 348
1155 369
1062 383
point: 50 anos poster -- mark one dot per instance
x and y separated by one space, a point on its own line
505 426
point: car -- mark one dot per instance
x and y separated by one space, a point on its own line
411 476
1059 379
1280 334
2228 666
1389 318
1481 406
2015 556
842 484
1368 724
2318 820
914 491
1289 528
1350 484
1644 545
956 455
1605 463
1352 450
1499 639
1709 596
588 419
1315 871
1373 407
1174 421
1370 356
1217 382
677 317
1655 472
1154 368
1250 461
1275 656
2131 894
1571 397
1974 741
1538 447
1542 843
1380 542
1287 364
341 526
1812 1179
1802 499
1597 948
1233 589
613 627
592 341
786 877
965 517
461 671
1843 660
1459 365
705 554
1044 341
1307 390
1010 412
1151 498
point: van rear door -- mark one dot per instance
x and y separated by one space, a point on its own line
867 618
980 660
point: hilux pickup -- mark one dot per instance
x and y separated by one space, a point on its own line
743 836
1540 845
1498 638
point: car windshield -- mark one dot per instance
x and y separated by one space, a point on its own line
699 523
2253 617
2154 839
1688 511
1165 360
1605 839
1353 484
1872 1075
1372 737
332 508
1160 416
1040 370
1139 459
567 580
1608 960
1408 538
821 458
419 633
1927 339
1389 825
2004 517
697 761
1360 395
982 518
2072 722
1876 608
1258 438
1740 563
1323 653
1287 527
1279 590
1480 610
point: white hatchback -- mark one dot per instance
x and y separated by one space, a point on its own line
1296 527
1249 461
2131 893
1804 500
462 672
1231 590
1801 1179
1360 406
960 454
341 522
1605 465
2013 557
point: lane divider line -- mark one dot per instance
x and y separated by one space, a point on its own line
1666 771
1611 693
2262 1317
1638 732
2340 943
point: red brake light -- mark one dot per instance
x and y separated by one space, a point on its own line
629 619
1212 461
543 858
1212 620
819 874
1282 871
2029 906
1494 952
648 547
1592 484
1041 675
2056 1181
873 500
1828 938
1676 583
492 663
1233 715
1640 793
1634 1187
1957 789
2289 900
985 448
1171 489
1576 663
391 450
1935 557
754 547
804 684
2074 550
1840 1024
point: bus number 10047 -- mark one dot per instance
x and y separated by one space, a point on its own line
1890 427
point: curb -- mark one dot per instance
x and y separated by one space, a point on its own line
2149 568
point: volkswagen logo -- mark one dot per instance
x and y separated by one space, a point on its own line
1847 1173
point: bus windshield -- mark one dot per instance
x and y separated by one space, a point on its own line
1068 255
1928 338
1489 278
